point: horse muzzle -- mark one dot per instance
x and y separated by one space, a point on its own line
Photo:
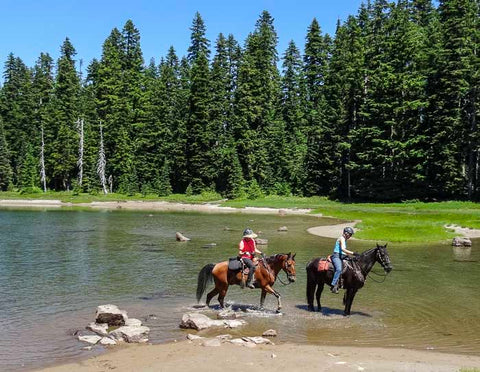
388 269
291 278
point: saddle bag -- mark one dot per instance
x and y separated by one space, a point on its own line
234 264
324 264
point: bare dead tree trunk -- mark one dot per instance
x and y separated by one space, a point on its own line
80 125
102 163
43 177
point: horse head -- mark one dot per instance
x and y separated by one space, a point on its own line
289 267
383 258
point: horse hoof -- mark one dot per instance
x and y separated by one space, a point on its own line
311 308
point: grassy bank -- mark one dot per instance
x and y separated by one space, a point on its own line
396 222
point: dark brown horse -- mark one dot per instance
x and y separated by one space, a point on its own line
265 276
354 275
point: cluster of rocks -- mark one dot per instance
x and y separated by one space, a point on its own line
112 326
225 319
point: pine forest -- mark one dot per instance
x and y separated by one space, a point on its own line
384 110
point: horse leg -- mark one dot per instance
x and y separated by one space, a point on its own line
318 294
311 286
211 294
221 296
262 298
269 289
349 300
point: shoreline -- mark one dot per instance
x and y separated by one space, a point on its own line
186 356
326 231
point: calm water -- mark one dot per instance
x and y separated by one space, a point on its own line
57 266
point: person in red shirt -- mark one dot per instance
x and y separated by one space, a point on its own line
246 251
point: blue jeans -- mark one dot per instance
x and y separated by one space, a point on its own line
337 263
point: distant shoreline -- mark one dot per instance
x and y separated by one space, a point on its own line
326 231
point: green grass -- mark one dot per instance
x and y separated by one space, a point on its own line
394 222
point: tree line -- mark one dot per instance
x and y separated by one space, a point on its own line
386 109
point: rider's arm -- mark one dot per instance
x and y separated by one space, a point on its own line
240 247
256 249
343 246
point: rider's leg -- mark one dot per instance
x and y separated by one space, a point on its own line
251 271
337 263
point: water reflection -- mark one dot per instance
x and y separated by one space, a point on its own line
462 253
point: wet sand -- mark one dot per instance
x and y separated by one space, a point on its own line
187 356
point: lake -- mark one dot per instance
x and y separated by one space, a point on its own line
58 265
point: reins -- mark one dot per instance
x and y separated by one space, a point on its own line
267 266
377 281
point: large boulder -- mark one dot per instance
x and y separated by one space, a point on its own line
200 321
460 241
111 315
180 237
131 334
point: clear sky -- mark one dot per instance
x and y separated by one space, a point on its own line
29 27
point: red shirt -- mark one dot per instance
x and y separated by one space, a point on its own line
248 248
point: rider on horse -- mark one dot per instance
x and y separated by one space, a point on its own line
246 251
339 253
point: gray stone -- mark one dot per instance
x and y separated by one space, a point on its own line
98 328
111 315
90 339
460 241
131 334
106 341
180 237
270 333
133 322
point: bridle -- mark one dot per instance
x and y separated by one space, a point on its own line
289 275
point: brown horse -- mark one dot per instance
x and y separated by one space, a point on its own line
265 276
354 275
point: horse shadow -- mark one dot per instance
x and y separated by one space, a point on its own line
327 311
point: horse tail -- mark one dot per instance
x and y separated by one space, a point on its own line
205 277
311 282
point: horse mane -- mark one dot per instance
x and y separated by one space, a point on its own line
274 257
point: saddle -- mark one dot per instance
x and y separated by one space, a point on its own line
236 264
325 264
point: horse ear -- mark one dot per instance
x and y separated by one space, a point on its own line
293 258
378 245
289 254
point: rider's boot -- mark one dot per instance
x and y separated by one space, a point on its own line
334 289
250 282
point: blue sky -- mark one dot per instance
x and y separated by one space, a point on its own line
29 27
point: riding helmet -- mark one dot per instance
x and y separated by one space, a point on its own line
348 230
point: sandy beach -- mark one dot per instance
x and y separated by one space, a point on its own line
193 356
187 355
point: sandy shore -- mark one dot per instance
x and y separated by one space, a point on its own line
193 356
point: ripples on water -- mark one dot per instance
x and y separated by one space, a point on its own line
58 266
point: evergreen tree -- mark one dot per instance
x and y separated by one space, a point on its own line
321 162
258 127
5 168
293 114
62 154
17 111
